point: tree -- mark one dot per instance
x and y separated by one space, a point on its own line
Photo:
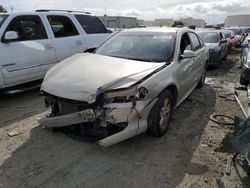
2 9
178 23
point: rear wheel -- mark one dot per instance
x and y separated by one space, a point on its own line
160 115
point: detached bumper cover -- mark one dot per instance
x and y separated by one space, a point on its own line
70 119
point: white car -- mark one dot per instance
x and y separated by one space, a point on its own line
32 42
131 84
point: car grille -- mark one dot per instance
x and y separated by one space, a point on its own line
68 108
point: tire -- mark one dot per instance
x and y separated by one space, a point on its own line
243 81
203 77
158 119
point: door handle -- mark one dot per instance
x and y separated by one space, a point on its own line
48 46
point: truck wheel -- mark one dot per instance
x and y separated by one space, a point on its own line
160 115
203 78
243 81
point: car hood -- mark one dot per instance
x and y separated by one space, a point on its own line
82 76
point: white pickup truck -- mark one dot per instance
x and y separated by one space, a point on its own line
32 42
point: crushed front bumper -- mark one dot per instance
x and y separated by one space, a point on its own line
134 116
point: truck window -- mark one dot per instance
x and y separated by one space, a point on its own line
28 28
91 24
62 26
2 19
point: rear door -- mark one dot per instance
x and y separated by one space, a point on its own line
28 57
66 36
184 75
199 60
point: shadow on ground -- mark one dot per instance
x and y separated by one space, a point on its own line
16 107
50 159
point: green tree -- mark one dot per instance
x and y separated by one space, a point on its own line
178 23
2 9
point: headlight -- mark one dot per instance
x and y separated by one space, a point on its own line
126 95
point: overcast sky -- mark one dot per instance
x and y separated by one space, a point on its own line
213 11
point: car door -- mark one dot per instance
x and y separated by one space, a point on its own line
184 74
29 56
66 37
199 60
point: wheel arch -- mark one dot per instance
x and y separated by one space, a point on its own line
174 91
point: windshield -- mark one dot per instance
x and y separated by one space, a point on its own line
237 31
2 19
209 37
152 47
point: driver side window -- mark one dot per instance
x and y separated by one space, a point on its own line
185 43
29 27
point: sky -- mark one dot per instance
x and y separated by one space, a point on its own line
212 11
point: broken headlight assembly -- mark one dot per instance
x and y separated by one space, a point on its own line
125 95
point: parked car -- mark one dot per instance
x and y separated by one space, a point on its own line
245 62
131 84
231 39
32 42
238 31
217 44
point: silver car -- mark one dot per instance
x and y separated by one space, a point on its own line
217 44
131 84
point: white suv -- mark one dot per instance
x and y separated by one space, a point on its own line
31 42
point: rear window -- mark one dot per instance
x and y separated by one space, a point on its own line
91 24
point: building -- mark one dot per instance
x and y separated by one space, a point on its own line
237 20
118 21
164 22
147 23
199 23
188 21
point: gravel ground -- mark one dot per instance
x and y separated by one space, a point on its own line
185 157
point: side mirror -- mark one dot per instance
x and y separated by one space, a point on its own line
10 36
188 54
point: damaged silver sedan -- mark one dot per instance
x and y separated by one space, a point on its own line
130 85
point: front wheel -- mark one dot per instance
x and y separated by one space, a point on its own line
160 115
243 81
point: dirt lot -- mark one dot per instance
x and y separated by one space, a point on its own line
184 157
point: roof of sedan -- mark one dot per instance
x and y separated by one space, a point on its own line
154 29
208 31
